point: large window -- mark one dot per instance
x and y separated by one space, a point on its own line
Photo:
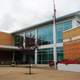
67 25
45 55
59 30
60 27
60 54
45 35
30 38
18 40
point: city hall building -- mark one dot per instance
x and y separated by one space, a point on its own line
36 42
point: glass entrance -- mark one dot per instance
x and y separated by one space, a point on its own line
45 55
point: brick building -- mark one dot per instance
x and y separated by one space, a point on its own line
71 43
37 42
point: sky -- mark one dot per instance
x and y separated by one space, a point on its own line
20 14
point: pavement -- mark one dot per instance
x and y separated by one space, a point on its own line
18 73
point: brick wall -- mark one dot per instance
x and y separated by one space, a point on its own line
71 43
71 33
6 39
72 50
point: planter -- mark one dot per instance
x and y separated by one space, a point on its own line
69 67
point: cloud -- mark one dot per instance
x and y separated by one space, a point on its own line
67 6
24 13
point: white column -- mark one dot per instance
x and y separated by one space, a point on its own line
13 58
24 40
54 37
35 56
36 48
24 56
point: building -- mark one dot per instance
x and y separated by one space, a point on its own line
6 42
38 40
9 53
71 43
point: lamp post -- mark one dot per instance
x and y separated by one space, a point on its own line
54 37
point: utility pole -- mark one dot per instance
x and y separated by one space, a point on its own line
54 36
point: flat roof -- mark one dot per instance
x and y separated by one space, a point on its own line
49 21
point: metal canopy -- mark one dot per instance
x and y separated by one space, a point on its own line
14 48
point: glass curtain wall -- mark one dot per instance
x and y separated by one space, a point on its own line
60 27
30 42
30 38
60 54
18 40
45 55
45 35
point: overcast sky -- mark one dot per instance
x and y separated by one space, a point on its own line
18 14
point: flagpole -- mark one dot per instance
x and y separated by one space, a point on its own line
54 37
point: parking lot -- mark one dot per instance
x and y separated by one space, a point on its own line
17 73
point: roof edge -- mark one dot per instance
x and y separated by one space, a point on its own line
49 21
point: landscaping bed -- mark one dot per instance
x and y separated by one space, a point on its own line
69 65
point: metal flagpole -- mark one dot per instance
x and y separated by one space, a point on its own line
54 37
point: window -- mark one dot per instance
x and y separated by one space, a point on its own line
18 40
60 27
59 53
67 25
59 30
45 55
30 38
45 35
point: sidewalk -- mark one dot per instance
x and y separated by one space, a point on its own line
40 66
17 73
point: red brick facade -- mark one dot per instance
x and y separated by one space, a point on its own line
6 39
71 44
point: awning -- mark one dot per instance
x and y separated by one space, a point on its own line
14 48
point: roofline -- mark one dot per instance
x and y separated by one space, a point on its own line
40 24
49 21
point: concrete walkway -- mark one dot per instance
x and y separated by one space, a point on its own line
16 73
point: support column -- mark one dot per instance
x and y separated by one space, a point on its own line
35 56
36 46
13 58
24 40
